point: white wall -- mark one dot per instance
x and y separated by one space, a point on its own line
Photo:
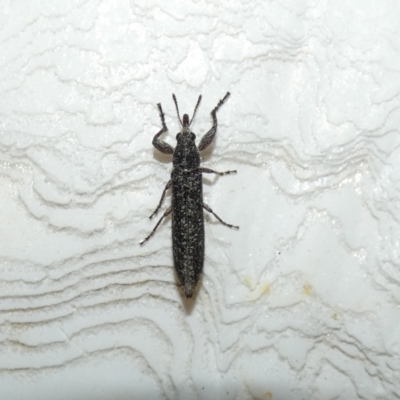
302 302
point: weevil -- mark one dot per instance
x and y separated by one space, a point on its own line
187 196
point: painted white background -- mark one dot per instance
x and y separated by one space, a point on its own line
302 302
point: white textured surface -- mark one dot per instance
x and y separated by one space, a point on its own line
302 302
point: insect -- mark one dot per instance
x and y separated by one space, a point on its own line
187 196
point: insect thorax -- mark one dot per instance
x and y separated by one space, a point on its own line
186 154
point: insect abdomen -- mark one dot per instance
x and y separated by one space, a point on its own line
187 227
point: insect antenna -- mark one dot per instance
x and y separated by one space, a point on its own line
195 109
177 108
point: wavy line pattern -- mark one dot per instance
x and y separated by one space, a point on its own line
302 302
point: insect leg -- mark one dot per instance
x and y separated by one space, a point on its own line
167 212
206 207
167 186
157 143
211 171
209 136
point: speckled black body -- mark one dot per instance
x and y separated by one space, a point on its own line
187 213
187 198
